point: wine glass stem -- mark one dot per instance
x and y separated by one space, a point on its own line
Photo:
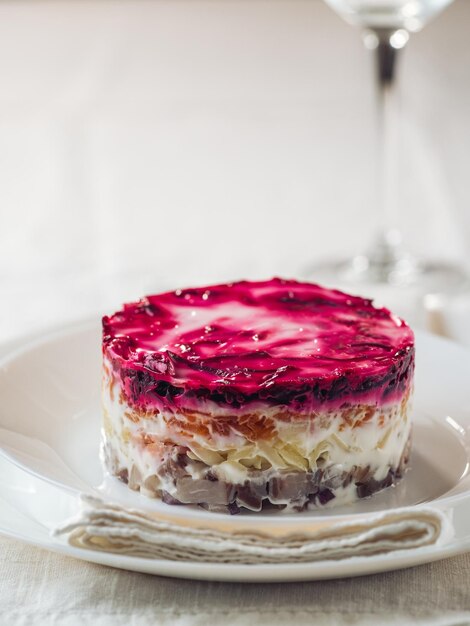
386 252
386 56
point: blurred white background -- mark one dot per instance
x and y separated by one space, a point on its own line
147 144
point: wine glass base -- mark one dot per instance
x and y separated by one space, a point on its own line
401 286
360 271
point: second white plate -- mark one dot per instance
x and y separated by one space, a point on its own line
50 427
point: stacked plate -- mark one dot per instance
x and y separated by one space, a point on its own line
50 421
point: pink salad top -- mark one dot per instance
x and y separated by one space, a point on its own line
278 341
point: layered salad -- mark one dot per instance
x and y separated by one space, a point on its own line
250 395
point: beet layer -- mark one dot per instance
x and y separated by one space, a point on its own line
276 342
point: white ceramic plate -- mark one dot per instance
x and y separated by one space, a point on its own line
50 434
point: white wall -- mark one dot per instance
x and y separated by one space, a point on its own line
159 143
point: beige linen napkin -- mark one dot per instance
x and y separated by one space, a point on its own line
111 528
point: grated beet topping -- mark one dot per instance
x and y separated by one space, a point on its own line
276 342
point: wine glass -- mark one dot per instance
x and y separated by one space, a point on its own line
386 26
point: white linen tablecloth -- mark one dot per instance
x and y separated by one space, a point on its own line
44 589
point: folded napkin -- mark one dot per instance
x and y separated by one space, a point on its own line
111 528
